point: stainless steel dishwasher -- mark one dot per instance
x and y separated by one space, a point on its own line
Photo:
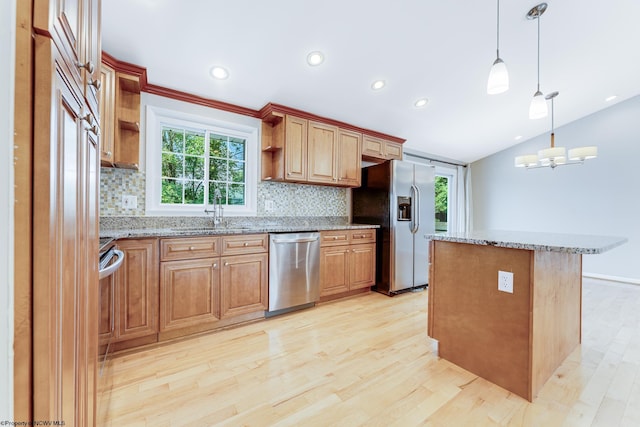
294 271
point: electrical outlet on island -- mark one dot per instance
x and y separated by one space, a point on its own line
505 281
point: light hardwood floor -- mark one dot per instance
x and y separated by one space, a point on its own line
367 361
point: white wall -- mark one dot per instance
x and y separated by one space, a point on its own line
600 197
7 52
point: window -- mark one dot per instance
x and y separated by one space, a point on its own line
442 203
191 164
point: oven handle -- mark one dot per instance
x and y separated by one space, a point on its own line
108 271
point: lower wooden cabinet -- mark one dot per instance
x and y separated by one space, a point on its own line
107 318
206 282
190 293
347 261
244 284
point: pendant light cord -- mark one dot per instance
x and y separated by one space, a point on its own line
538 53
498 30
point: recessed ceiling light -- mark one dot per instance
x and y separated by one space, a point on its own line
219 73
315 58
421 102
611 98
378 84
518 138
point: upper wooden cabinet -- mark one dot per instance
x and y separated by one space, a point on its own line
120 115
304 148
305 151
378 150
107 114
322 151
348 158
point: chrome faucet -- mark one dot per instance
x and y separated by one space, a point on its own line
218 213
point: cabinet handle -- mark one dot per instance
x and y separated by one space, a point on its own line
246 244
87 66
363 236
335 237
89 119
192 248
96 84
288 173
109 153
215 266
226 263
95 129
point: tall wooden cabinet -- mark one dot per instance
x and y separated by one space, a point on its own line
65 210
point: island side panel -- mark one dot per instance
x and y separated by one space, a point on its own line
478 327
557 313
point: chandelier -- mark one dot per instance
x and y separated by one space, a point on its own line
555 156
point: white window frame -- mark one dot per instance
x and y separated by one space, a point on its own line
452 200
156 118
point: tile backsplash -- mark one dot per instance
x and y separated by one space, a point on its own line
293 200
114 183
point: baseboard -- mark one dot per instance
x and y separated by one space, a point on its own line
612 278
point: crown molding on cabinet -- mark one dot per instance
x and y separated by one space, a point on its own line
264 113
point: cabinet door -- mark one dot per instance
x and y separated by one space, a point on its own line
189 293
107 114
61 247
62 20
106 320
295 149
334 270
393 150
137 289
244 284
372 147
362 266
322 151
92 52
349 159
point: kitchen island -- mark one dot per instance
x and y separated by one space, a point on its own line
515 337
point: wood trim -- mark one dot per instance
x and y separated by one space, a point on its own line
198 100
267 113
272 109
23 171
126 67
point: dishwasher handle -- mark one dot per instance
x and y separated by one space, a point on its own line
299 240
108 271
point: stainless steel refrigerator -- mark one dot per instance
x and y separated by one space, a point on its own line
398 196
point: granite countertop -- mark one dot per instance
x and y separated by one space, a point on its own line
139 227
552 242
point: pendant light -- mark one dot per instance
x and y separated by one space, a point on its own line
555 156
498 76
538 108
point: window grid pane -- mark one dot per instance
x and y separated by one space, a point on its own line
196 163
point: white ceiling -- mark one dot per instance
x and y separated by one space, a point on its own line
441 50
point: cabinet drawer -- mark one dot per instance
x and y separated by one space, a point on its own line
189 248
363 236
245 244
334 238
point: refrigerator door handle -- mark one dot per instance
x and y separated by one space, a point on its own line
415 205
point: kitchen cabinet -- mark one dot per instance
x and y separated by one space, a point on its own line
210 282
107 114
322 151
107 318
347 261
136 302
127 121
244 284
65 211
189 282
298 150
379 150
349 158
